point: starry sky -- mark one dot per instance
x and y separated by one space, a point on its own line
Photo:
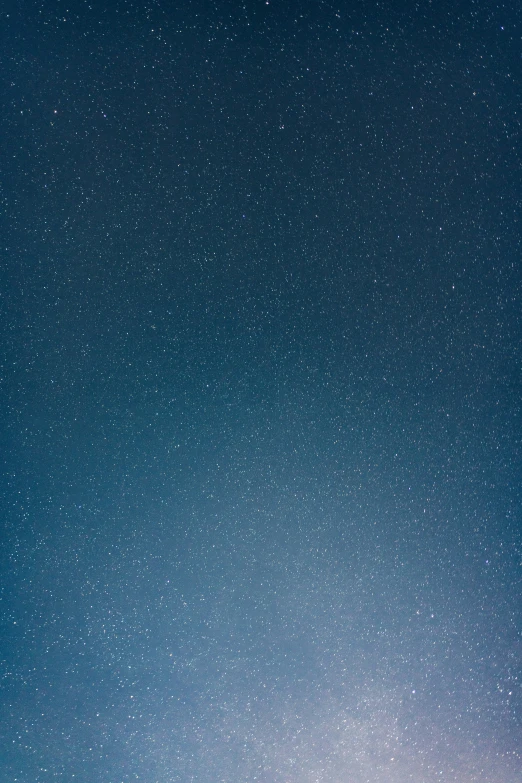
261 392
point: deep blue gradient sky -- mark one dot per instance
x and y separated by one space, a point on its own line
261 389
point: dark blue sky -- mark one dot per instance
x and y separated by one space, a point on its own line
261 393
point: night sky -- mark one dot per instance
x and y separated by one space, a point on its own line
261 392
